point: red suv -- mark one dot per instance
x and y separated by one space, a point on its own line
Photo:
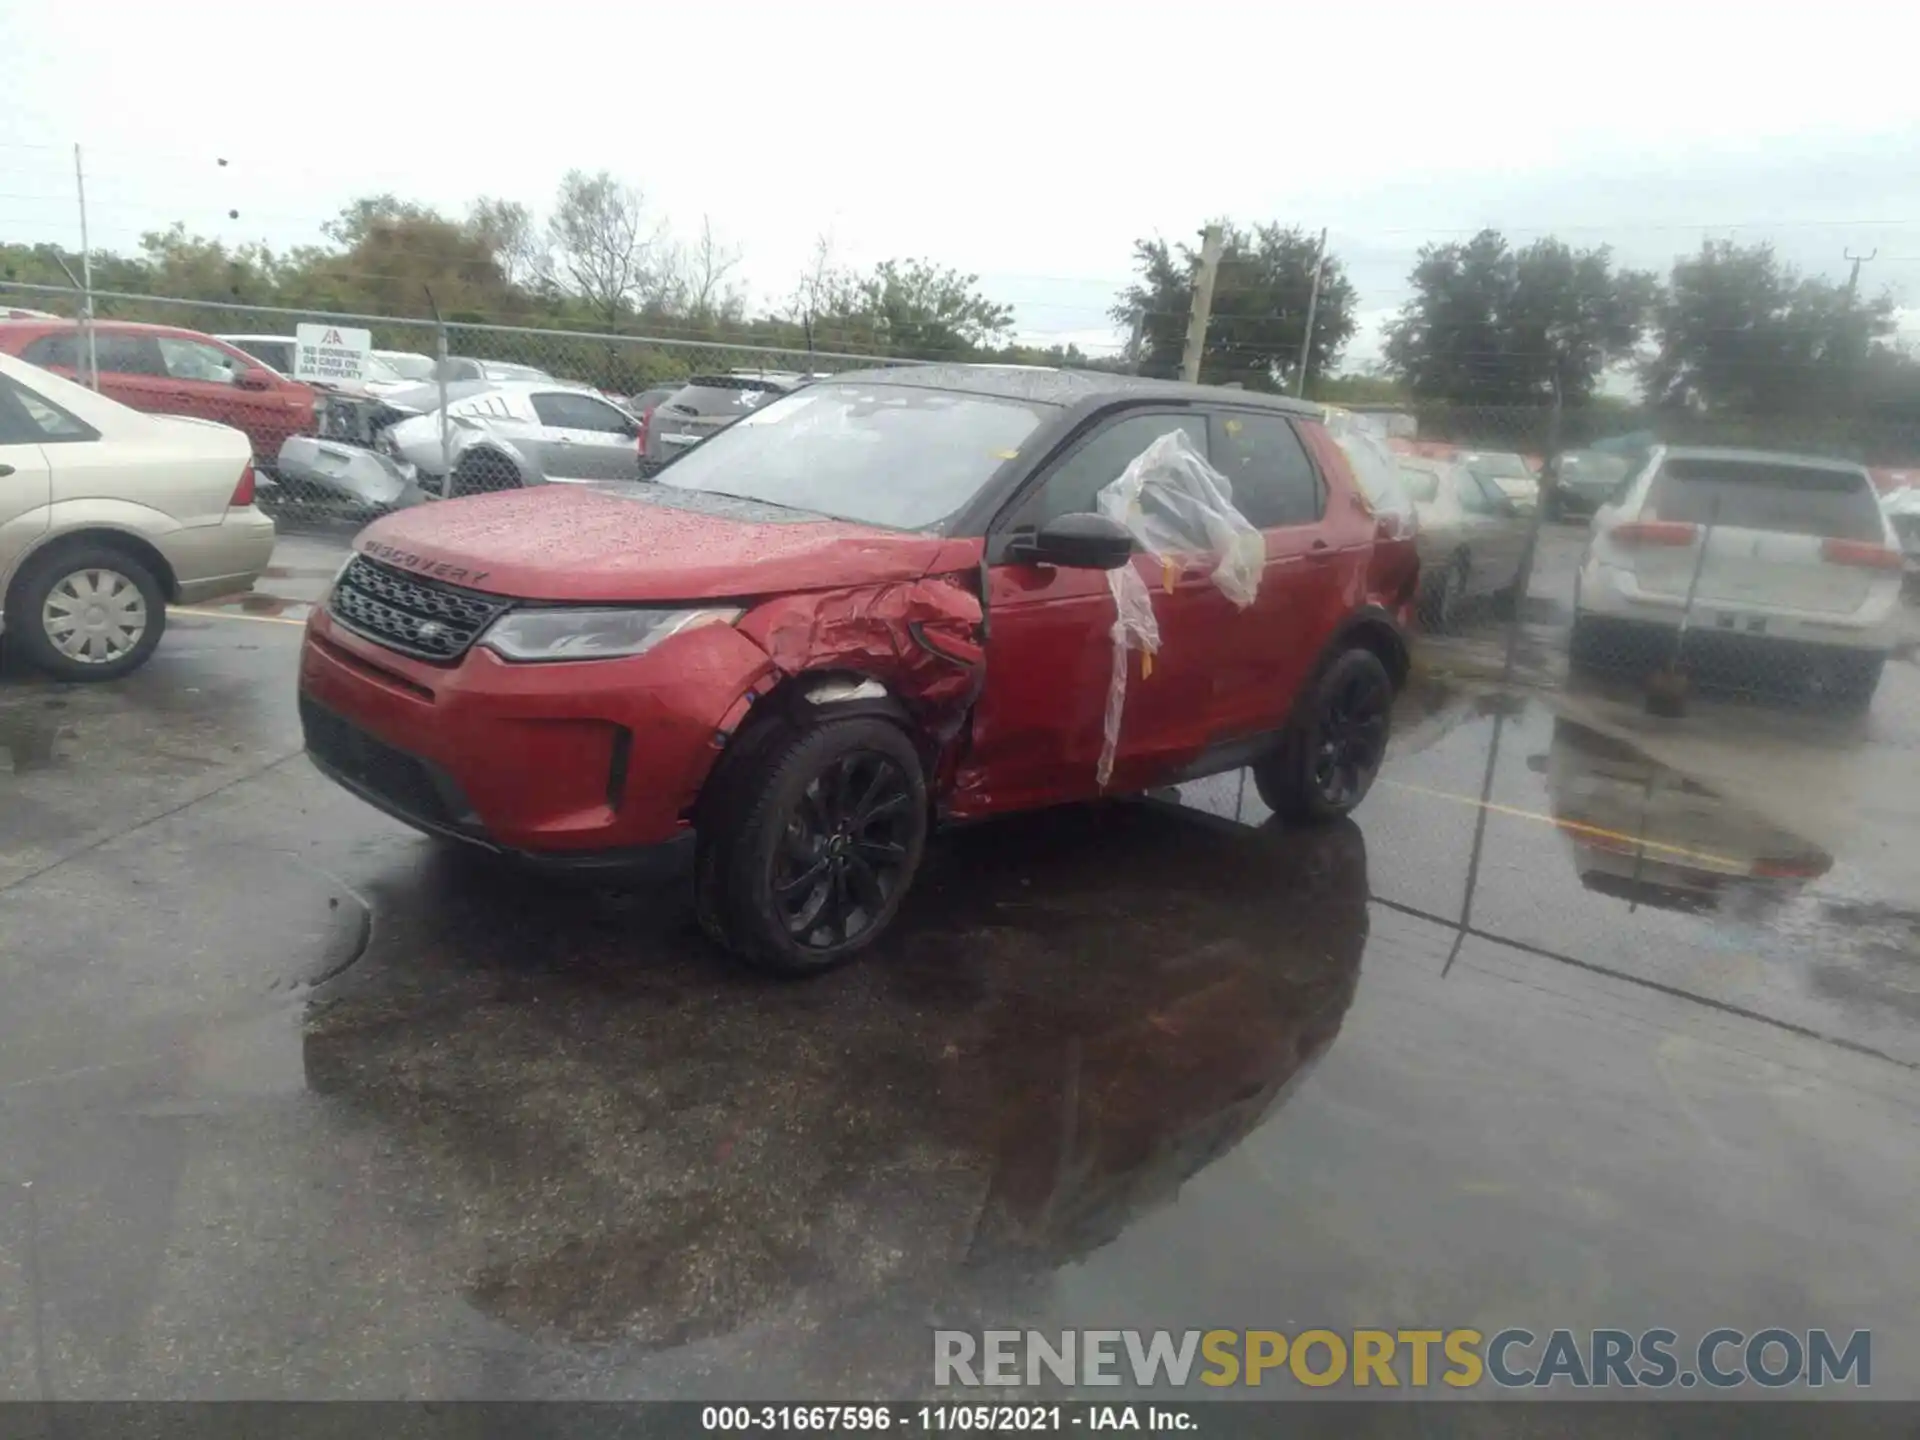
876 602
167 371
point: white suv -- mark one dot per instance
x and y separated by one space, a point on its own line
1799 571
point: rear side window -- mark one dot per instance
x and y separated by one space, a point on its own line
1274 483
274 354
562 411
1784 498
722 395
26 419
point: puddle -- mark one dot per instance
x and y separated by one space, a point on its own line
1647 834
618 1138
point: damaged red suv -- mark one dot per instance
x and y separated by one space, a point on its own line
876 603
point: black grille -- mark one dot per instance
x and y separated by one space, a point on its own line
402 780
418 617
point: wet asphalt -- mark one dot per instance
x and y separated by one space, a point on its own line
1586 1019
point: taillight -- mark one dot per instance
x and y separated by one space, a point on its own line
1654 532
243 492
1865 553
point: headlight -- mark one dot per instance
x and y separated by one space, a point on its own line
569 634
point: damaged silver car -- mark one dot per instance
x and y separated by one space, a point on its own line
394 451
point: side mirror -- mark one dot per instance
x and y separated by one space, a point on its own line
1075 542
251 380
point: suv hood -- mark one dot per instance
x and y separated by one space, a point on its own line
646 542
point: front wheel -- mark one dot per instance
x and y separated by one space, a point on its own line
1329 760
484 471
88 612
811 844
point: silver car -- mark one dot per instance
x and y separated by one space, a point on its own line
107 516
706 405
498 436
1472 538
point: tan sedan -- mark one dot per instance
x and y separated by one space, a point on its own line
107 515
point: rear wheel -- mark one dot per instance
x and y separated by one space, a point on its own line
87 612
483 471
811 843
1329 760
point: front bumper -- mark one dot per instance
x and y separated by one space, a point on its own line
574 761
347 470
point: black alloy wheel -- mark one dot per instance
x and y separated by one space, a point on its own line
1351 738
1336 743
845 851
809 840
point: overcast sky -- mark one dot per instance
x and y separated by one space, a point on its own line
1030 142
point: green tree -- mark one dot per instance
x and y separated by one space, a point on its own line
1740 331
1489 325
1260 298
907 307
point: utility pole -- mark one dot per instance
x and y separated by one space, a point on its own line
1853 280
1202 304
1313 305
86 276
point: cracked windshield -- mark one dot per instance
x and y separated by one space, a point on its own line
1112 772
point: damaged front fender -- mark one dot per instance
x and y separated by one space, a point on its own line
918 638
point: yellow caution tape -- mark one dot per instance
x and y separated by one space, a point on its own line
1166 574
1146 663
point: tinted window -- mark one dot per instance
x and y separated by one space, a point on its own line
1759 495
128 355
1073 485
580 412
191 360
722 395
53 350
27 419
891 455
1498 466
1273 481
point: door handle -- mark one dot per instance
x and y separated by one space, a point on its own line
1319 551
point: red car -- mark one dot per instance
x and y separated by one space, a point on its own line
876 602
168 371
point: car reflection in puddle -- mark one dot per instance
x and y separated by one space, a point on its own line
1084 1009
1649 835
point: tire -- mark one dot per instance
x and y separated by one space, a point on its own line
484 472
1328 762
786 878
119 607
1441 594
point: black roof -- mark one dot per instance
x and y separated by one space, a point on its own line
1064 387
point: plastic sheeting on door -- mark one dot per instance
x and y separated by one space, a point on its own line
1177 506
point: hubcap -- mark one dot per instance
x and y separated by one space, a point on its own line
1352 739
95 616
844 850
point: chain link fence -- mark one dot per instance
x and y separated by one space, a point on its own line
335 457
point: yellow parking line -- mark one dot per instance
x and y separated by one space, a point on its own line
1574 827
233 615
